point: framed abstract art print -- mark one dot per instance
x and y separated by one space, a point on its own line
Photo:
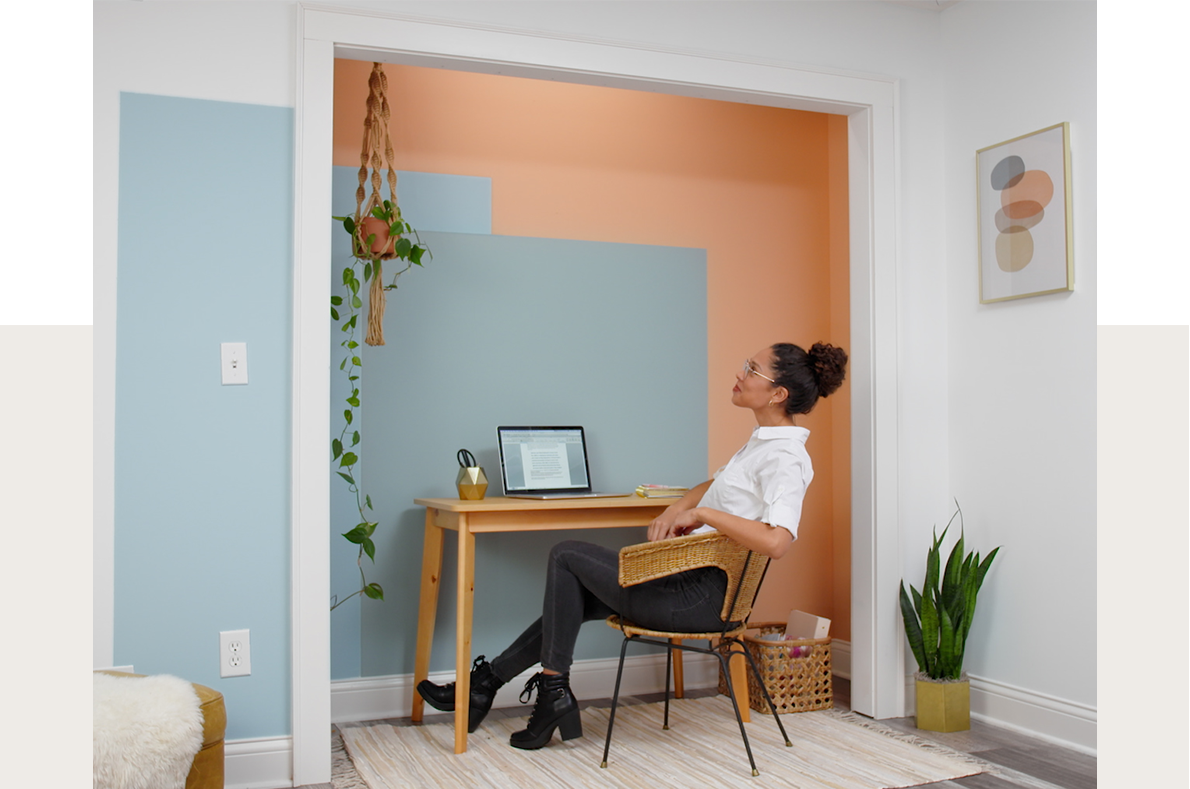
1025 229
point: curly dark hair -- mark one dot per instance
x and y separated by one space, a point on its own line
808 375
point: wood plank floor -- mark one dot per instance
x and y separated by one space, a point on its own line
1021 761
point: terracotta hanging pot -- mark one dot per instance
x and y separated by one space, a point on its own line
383 245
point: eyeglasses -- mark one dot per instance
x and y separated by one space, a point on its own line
750 370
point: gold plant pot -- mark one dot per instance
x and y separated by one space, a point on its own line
943 706
472 483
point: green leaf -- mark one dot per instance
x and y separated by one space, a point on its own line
950 658
912 629
349 224
357 302
348 275
353 401
356 535
403 247
929 632
368 271
367 499
337 448
370 549
347 477
355 360
334 313
349 459
352 344
415 255
355 438
348 416
374 591
336 300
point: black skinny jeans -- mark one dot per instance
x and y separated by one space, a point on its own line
582 584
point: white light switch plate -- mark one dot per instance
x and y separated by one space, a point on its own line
234 358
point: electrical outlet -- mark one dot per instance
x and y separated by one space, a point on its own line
235 654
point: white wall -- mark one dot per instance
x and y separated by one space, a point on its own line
245 52
1022 373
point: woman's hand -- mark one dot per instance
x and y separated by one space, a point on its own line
673 523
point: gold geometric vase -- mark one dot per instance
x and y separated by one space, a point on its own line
943 706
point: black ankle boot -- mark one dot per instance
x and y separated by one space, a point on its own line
556 708
484 685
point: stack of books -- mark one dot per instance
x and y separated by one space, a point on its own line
661 491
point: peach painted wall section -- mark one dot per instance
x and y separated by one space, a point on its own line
763 190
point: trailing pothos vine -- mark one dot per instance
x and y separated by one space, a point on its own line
379 235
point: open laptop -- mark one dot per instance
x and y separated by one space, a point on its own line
545 463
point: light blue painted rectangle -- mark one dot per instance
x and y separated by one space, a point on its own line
202 476
504 330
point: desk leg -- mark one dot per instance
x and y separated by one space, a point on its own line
466 598
427 608
739 683
679 683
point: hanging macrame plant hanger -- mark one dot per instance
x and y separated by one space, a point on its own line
377 153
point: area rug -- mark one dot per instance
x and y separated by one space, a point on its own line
831 750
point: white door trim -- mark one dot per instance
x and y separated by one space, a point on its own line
870 102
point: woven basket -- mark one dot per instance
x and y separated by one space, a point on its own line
796 673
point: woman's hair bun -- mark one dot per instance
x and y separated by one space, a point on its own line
829 364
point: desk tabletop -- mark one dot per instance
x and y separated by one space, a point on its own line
501 503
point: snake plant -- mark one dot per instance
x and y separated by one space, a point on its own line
938 618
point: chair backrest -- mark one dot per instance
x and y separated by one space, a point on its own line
745 569
737 605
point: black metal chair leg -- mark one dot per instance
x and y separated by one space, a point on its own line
767 696
669 661
723 661
611 718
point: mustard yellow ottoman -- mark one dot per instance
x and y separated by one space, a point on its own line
145 732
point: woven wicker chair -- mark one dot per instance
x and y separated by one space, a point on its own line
745 570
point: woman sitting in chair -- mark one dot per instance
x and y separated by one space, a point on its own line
756 499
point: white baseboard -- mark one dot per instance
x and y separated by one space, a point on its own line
1049 718
841 658
261 763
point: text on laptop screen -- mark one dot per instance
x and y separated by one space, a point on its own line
543 459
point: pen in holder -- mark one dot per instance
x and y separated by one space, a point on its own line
472 482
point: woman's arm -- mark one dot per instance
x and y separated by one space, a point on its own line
760 537
662 526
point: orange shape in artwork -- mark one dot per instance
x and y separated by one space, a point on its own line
1034 186
1021 209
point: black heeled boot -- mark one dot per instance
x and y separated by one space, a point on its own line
484 685
556 708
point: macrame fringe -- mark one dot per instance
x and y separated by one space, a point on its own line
377 152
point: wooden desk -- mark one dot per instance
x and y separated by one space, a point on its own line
496 514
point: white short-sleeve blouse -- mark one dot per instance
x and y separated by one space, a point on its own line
766 480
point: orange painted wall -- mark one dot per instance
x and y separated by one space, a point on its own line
762 189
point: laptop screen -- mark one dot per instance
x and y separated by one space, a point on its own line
543 459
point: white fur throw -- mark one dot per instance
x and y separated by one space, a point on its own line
147 731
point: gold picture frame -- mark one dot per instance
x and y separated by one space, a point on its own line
1025 227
